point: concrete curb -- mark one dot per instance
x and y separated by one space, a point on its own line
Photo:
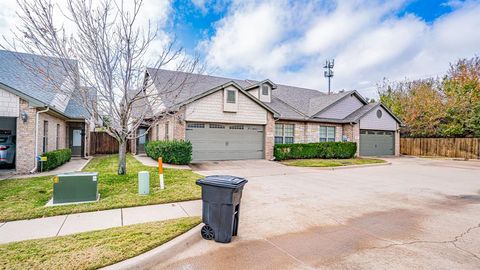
350 166
160 254
85 165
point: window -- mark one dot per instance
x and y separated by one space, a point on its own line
158 132
265 90
57 141
327 134
45 137
196 125
284 133
236 127
231 96
166 131
216 126
379 114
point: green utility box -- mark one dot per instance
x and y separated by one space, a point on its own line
75 187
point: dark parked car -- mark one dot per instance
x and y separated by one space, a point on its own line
7 149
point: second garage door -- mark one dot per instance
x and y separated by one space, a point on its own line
376 143
216 141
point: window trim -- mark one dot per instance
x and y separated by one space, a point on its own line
265 87
284 138
45 137
327 138
57 139
167 134
234 95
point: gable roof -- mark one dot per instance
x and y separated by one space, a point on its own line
223 86
358 114
19 73
288 102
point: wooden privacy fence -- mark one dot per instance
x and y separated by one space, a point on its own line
102 143
443 147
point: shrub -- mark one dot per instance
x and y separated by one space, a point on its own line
315 150
172 152
56 158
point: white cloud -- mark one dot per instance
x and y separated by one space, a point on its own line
289 41
153 12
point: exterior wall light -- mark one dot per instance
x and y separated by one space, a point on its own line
24 117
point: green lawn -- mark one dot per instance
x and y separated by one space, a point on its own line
26 198
331 162
92 250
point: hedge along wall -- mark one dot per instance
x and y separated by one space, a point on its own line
332 150
56 158
172 152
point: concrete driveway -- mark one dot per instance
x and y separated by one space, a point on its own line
413 214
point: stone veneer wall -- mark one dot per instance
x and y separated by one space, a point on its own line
353 134
309 132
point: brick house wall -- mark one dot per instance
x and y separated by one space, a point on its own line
25 148
269 137
52 133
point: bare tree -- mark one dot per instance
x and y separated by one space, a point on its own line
110 47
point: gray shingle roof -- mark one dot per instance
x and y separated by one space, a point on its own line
290 102
76 110
40 78
354 116
176 87
318 104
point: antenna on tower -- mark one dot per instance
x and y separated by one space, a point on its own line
329 72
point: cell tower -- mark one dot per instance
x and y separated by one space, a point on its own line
329 72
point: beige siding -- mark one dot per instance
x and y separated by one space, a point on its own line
343 108
266 98
371 121
254 92
210 109
9 104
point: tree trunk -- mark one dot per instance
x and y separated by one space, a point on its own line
122 158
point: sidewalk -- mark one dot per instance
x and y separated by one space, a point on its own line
74 165
147 161
90 221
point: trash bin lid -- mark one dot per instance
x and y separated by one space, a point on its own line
228 181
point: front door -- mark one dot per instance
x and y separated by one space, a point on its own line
142 139
76 142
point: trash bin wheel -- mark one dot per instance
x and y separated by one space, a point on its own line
207 232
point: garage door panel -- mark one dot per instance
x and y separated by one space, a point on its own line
376 143
225 141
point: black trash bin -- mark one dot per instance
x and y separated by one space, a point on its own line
221 195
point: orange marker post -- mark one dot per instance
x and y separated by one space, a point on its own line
160 172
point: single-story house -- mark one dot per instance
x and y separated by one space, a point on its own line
38 116
229 119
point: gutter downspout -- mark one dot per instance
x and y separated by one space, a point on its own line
36 137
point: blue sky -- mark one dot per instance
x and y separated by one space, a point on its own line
192 24
288 41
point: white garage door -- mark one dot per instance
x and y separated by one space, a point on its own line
225 141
